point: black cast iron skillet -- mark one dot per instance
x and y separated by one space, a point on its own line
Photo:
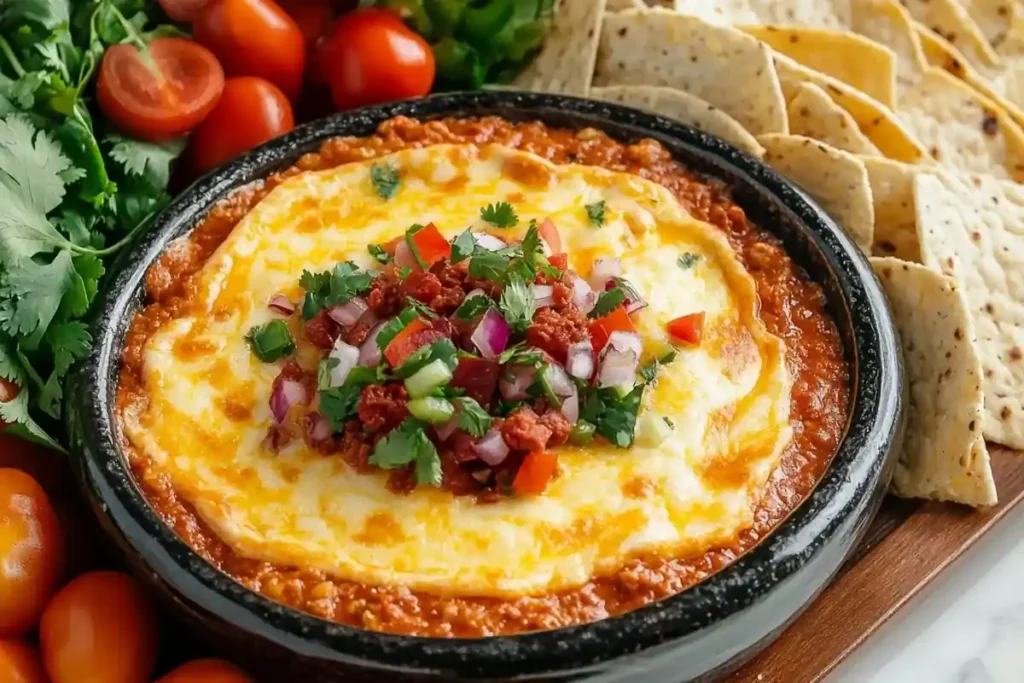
701 632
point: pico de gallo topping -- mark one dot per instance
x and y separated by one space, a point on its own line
462 363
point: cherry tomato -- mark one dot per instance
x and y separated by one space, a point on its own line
183 11
163 98
535 472
616 321
372 57
32 549
207 671
250 112
99 628
254 38
8 392
313 17
20 663
687 328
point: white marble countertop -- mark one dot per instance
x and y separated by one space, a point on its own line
966 626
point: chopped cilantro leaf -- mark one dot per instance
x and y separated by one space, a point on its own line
688 260
550 270
608 302
517 304
443 350
463 246
614 417
384 176
649 372
472 417
395 325
520 354
532 246
377 252
421 308
332 288
404 272
488 265
428 463
271 341
595 212
473 306
413 247
340 404
500 215
409 444
671 424
505 408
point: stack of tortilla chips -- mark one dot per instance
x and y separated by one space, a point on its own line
904 119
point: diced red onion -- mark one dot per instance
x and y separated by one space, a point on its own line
348 314
583 295
634 302
515 380
619 359
347 357
559 381
571 407
605 269
488 242
445 430
281 304
404 257
491 334
492 448
320 429
286 394
369 352
580 360
544 295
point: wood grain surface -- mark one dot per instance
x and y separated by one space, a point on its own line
908 544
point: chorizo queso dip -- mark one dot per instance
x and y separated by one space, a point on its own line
470 377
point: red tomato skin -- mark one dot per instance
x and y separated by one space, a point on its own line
20 663
32 548
138 104
601 328
250 112
372 57
8 392
183 11
207 671
254 38
535 472
313 17
100 628
688 328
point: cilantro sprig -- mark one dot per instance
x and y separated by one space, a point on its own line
406 445
385 179
595 213
332 287
500 215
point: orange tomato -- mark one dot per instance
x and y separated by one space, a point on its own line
616 321
32 549
20 663
183 11
431 245
687 328
254 38
405 342
163 96
100 628
207 671
313 17
250 112
535 472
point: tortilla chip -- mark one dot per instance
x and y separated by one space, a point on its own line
943 455
813 114
622 5
892 194
860 63
685 108
722 66
962 128
993 17
886 22
836 180
874 119
972 228
821 13
950 20
566 62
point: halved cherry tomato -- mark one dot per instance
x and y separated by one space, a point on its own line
164 96
20 663
431 245
372 57
183 11
313 17
250 112
207 671
549 233
413 336
254 38
32 549
100 628
616 321
535 472
687 328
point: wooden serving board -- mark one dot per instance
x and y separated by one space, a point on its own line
907 545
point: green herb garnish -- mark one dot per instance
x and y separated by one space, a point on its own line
473 306
613 415
500 215
517 304
488 265
384 176
340 404
443 350
649 372
271 341
463 246
595 212
377 252
394 326
333 287
688 260
409 444
472 417
608 302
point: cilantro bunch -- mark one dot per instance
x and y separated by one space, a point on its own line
72 191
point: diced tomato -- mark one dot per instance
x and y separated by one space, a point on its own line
535 472
390 246
416 334
616 321
432 245
687 328
560 261
549 233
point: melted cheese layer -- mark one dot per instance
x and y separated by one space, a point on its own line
208 411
